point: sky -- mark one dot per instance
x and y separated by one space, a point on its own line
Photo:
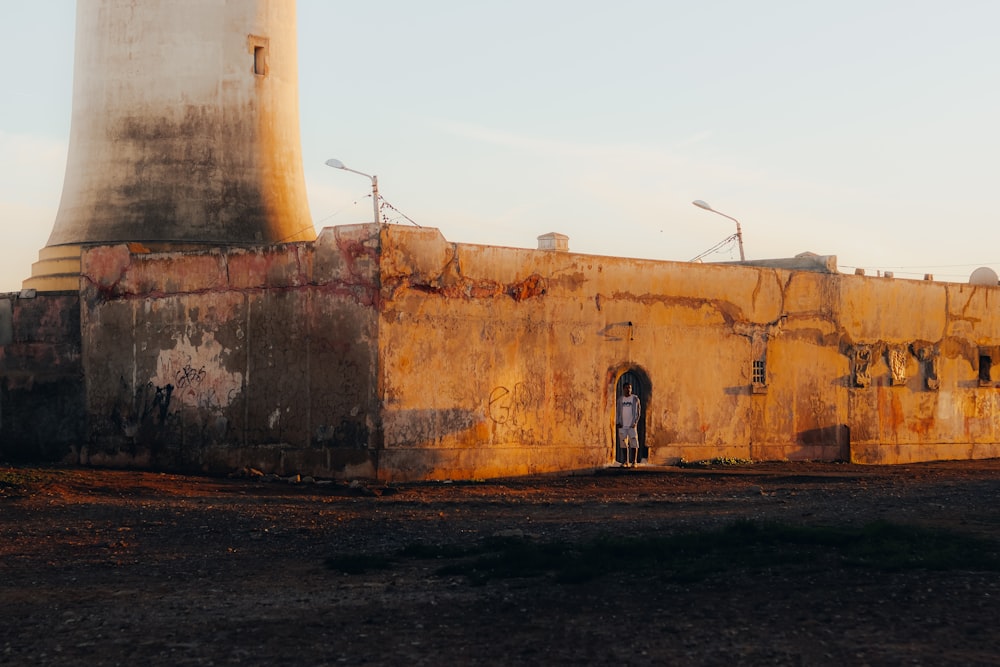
865 129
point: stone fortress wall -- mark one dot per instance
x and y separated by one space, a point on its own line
390 352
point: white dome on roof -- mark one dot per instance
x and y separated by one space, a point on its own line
984 275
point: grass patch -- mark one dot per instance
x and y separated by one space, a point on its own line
717 461
14 482
744 547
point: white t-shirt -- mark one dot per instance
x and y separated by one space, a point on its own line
628 410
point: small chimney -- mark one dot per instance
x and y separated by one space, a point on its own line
553 241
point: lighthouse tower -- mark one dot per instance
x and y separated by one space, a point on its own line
184 134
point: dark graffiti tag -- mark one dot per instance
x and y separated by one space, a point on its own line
149 406
500 405
510 406
189 377
160 403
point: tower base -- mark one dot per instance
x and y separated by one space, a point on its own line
57 269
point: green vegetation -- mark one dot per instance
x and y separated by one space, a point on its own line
17 482
717 461
741 547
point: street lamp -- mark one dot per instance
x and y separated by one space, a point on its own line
739 232
337 164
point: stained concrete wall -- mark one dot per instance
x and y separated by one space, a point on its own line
185 125
526 348
940 399
392 352
42 412
216 360
500 361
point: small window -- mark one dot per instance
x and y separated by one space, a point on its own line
257 46
259 60
758 376
985 366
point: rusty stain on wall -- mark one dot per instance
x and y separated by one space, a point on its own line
391 352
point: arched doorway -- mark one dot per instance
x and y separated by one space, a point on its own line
642 388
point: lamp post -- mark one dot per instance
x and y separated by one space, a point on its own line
337 164
739 232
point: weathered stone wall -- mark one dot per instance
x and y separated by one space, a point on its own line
499 360
931 390
502 361
390 351
41 377
216 360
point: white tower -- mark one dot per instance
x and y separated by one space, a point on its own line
185 131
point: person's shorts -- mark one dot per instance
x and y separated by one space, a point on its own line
629 437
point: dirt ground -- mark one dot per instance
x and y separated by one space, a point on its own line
105 567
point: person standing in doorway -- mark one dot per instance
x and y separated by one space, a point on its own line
628 420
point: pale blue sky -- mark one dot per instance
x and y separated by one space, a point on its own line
864 129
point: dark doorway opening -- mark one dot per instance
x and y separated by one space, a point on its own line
642 388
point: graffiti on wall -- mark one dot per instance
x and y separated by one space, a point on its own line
148 405
199 379
189 376
510 406
153 401
569 408
514 412
518 410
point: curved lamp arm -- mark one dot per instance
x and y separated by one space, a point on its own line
337 164
739 232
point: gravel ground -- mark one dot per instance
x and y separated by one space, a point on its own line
102 567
